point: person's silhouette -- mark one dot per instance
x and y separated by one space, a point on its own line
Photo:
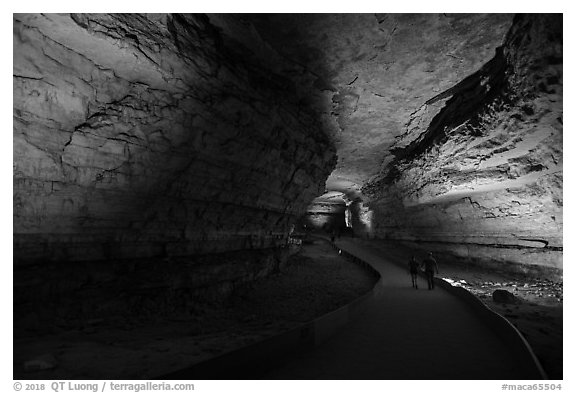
413 269
430 266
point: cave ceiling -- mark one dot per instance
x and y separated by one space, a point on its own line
379 73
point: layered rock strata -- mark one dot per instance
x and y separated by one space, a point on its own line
157 135
378 70
149 150
483 178
165 136
125 293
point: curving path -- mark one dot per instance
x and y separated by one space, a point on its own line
409 334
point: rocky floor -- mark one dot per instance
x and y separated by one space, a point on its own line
536 309
317 280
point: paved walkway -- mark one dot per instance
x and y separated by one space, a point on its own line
409 334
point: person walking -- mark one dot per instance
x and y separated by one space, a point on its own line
413 268
430 266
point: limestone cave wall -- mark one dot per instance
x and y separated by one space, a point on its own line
483 178
157 135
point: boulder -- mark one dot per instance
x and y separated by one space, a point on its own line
503 296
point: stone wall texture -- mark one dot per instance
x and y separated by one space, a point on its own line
482 179
169 135
121 293
157 135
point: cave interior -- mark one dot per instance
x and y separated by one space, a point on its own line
178 154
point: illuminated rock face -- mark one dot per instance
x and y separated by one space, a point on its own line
483 178
160 135
377 70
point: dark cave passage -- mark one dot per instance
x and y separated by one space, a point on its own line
165 163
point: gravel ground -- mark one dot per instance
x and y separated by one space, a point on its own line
537 311
316 281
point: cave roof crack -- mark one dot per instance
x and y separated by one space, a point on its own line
102 68
121 32
41 79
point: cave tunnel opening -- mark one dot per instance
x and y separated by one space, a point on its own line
339 213
171 169
326 214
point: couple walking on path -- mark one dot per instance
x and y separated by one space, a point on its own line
429 265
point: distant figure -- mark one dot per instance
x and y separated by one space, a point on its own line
332 236
413 268
430 266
